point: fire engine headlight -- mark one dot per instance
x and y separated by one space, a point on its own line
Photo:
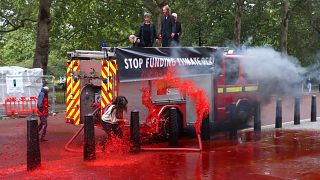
105 80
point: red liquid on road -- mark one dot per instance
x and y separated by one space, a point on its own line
269 155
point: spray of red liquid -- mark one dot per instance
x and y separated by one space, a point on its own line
187 87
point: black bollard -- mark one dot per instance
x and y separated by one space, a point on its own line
135 132
232 119
173 128
89 151
314 108
33 146
278 113
296 111
257 118
205 128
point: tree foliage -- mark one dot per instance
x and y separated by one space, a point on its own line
85 24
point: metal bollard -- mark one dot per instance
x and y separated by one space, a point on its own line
278 123
135 132
257 118
33 146
296 111
314 108
89 151
205 128
173 128
232 118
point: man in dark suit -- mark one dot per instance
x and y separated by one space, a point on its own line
176 38
167 27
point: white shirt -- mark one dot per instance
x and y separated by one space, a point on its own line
110 117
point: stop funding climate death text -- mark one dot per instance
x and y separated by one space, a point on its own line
154 62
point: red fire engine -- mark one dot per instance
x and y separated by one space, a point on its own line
233 86
93 81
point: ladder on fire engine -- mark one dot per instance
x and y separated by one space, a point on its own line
91 54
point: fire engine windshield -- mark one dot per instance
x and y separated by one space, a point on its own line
231 67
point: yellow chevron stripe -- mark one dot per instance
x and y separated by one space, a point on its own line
71 112
113 67
103 74
75 95
69 79
106 99
110 95
77 120
104 85
75 109
72 87
69 87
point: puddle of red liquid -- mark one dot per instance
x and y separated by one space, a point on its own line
267 155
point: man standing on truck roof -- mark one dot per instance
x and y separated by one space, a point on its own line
167 27
176 38
147 32
133 41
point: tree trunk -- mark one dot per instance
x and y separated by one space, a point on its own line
42 43
237 22
284 26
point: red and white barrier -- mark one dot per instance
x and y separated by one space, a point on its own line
20 105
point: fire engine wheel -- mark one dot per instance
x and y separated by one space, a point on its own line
244 113
164 124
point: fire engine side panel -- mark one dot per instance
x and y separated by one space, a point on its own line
205 83
132 91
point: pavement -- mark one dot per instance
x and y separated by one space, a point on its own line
292 152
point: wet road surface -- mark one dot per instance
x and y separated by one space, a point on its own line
281 154
273 154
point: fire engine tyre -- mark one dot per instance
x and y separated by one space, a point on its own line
165 124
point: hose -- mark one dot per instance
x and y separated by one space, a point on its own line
67 148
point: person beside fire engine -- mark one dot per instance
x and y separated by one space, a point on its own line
113 116
133 41
43 112
176 38
167 31
309 85
147 32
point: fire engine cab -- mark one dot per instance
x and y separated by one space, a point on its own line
233 86
93 81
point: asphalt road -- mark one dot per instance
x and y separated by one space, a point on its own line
292 152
